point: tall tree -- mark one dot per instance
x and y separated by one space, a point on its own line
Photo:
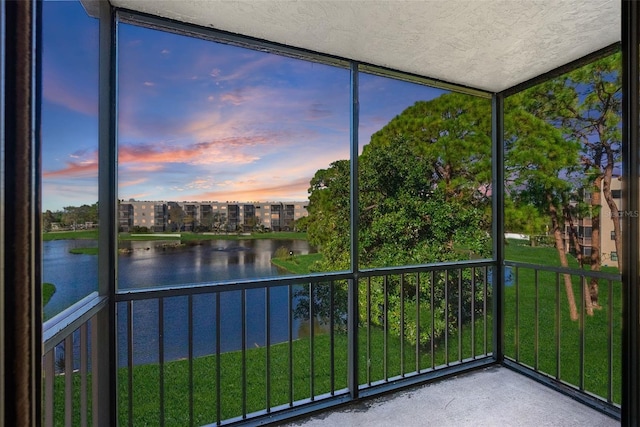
423 191
329 207
538 162
586 106
452 136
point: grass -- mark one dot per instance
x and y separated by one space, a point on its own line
48 289
70 235
184 236
541 350
189 237
146 378
84 251
297 264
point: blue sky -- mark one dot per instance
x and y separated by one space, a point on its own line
197 120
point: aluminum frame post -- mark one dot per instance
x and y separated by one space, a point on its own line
497 199
105 401
631 222
353 315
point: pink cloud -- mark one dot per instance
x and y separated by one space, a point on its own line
74 169
132 182
228 150
291 190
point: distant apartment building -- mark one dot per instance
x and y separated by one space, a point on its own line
152 215
583 228
210 216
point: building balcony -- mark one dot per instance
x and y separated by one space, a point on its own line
486 341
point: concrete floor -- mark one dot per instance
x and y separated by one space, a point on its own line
494 396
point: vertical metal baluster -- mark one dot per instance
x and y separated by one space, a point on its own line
218 367
332 343
129 359
536 348
610 343
460 315
84 362
386 327
267 322
417 322
289 308
243 322
402 325
473 312
583 297
312 332
369 331
558 325
517 331
484 307
161 355
190 333
433 320
68 380
49 386
446 317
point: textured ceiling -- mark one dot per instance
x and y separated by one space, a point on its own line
485 44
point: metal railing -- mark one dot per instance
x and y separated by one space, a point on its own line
69 362
266 350
580 354
423 319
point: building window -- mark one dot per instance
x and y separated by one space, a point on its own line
614 256
613 235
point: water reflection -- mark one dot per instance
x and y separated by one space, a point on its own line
162 263
145 264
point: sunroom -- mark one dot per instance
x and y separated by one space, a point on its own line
286 207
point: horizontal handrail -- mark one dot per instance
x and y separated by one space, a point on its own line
565 270
236 285
225 286
426 267
56 329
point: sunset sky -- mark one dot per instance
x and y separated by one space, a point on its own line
197 120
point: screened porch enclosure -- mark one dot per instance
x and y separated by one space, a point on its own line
273 347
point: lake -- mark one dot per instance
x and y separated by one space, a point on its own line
148 264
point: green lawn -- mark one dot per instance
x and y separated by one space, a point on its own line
48 289
85 251
70 235
297 264
146 378
520 341
184 236
189 237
